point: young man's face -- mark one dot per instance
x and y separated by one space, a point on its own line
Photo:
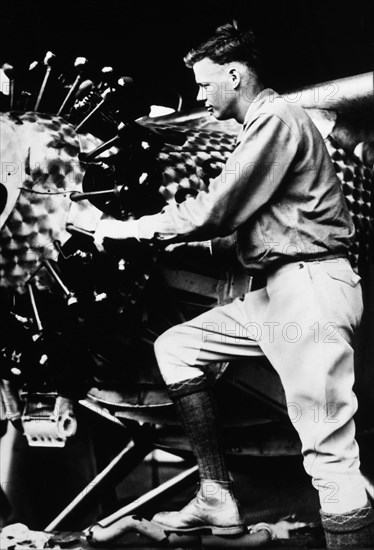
216 88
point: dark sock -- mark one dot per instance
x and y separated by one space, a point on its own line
350 530
198 412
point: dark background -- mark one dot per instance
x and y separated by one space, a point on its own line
302 41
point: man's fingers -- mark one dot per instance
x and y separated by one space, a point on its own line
98 238
99 247
99 244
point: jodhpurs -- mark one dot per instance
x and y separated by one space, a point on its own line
303 321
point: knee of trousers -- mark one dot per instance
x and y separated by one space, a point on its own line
174 356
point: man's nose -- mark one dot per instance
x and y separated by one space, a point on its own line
201 96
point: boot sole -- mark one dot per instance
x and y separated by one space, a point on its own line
203 529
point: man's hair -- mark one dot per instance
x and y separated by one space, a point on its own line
226 45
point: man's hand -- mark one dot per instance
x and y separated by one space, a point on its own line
115 229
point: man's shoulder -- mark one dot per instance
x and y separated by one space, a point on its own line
273 103
285 108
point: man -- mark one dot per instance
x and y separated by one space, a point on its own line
278 193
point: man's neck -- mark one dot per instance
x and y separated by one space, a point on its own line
246 98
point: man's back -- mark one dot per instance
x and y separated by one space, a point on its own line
303 214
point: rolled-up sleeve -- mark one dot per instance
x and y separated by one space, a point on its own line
249 179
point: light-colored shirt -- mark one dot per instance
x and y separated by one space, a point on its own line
278 192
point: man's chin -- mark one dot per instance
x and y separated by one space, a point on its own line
221 116
217 115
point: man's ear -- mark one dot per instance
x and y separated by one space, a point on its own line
234 76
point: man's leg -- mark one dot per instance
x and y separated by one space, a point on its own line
198 413
316 307
182 353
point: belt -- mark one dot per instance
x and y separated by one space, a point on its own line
259 279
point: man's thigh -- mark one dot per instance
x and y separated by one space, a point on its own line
225 333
